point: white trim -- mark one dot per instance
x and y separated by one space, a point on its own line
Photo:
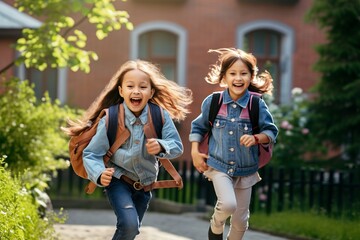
166 26
62 84
287 49
11 18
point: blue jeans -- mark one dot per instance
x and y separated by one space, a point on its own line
129 206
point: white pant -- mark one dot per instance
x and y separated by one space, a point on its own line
233 199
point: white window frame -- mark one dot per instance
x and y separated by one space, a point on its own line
179 31
287 50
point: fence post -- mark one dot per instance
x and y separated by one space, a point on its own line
291 188
270 189
302 189
330 192
311 188
321 189
340 193
281 190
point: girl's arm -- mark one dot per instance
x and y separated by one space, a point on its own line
171 143
266 123
94 152
199 159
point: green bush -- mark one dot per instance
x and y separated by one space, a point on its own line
30 129
19 217
296 141
32 145
30 134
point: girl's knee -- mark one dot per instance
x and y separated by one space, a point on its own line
127 230
226 206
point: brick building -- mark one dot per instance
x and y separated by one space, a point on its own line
177 34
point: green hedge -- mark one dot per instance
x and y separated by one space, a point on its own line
19 217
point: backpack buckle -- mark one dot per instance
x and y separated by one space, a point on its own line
138 186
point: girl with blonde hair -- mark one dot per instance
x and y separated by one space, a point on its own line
134 85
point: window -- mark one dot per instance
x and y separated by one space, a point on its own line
163 43
160 47
54 81
265 45
44 81
272 43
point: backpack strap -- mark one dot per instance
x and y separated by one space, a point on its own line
121 134
153 129
215 105
157 118
253 107
113 123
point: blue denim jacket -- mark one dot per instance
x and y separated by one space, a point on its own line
225 152
131 159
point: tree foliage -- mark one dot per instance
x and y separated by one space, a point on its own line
336 110
59 42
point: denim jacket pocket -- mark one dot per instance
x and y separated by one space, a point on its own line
245 128
219 128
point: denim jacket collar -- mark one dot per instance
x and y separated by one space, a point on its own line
132 118
242 102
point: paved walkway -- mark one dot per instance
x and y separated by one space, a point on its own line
85 224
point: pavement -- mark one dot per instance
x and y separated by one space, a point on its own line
99 224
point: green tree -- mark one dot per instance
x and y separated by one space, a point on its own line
335 112
59 42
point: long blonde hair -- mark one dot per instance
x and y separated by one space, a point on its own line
168 94
227 57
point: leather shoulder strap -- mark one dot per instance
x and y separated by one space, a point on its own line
153 129
155 122
122 133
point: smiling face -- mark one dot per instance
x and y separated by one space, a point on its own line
237 78
136 90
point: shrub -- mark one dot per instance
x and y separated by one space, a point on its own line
30 134
19 218
295 140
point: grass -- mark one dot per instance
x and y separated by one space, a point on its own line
306 225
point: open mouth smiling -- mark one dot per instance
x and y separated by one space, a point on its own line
135 101
238 84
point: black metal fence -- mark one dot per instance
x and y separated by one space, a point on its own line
336 193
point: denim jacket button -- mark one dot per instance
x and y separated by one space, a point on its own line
231 132
231 149
232 163
232 120
234 105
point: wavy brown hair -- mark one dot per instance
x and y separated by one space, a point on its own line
168 94
261 83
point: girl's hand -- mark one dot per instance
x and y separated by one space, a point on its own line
106 176
198 158
247 140
153 146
